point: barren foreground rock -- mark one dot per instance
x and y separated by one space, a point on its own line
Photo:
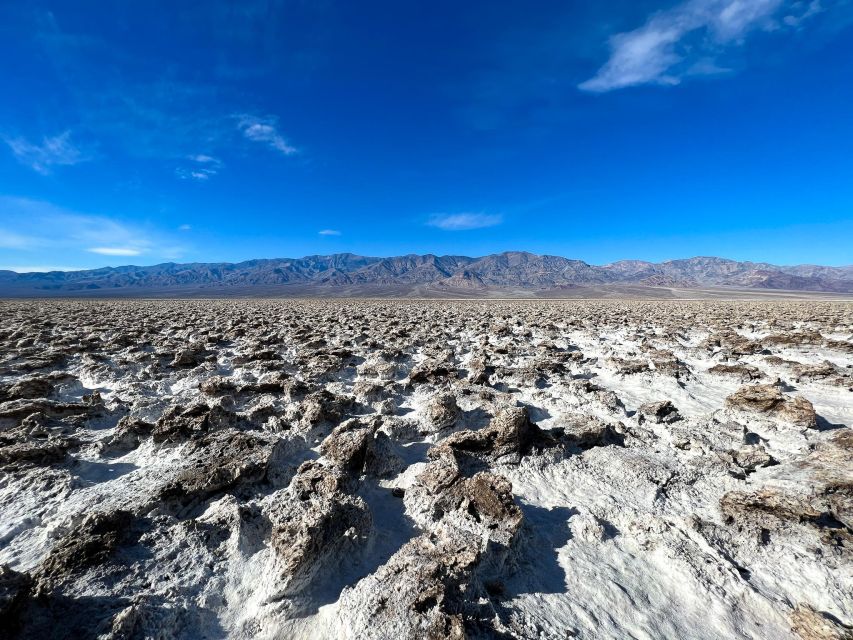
408 469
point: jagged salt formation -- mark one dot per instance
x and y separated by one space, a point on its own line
402 469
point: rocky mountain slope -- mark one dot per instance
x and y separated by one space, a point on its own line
509 270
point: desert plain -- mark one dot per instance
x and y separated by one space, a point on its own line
396 469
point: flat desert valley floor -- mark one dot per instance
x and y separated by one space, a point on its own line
426 469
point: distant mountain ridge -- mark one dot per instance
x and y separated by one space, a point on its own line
514 270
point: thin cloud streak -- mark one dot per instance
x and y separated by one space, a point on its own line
37 268
687 40
58 150
464 221
329 232
42 226
12 240
115 251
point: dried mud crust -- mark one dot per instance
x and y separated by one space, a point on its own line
426 469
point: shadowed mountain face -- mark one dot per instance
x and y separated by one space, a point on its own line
510 270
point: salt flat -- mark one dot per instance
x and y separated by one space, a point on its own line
426 469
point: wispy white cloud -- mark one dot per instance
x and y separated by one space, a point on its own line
37 268
115 251
464 221
58 150
191 174
99 234
202 168
12 240
164 114
798 16
329 232
175 252
37 228
185 227
688 39
265 130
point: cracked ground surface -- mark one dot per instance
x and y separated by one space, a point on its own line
426 469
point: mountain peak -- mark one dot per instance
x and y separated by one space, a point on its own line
512 270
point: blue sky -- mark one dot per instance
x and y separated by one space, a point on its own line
138 133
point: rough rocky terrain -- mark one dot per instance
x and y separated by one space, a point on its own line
413 469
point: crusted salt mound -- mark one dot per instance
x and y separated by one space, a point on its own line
769 400
425 469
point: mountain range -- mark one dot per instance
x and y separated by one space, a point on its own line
348 274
